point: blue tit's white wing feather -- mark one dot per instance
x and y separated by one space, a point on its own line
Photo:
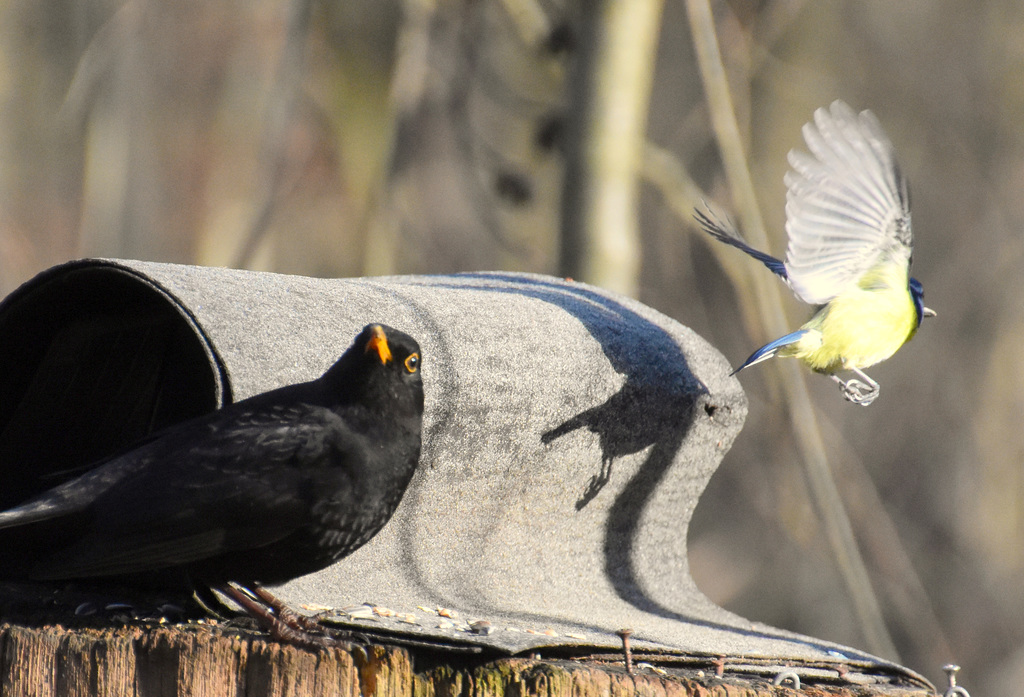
847 206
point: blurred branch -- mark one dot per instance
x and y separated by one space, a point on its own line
663 170
280 108
17 254
822 485
531 21
408 83
611 95
905 592
97 63
774 21
667 174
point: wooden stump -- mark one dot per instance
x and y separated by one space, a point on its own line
194 660
197 660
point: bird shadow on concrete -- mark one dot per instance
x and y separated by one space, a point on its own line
654 408
622 430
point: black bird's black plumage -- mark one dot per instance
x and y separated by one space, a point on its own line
265 490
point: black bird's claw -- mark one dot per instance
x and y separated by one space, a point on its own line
285 624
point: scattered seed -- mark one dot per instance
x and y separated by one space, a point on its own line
359 612
652 668
481 627
576 636
171 609
445 612
384 612
113 607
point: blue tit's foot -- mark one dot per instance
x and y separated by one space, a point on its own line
862 392
859 392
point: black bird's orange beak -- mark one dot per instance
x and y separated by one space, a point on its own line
379 342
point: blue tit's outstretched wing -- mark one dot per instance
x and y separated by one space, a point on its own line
847 207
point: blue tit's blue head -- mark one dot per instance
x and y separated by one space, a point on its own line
917 293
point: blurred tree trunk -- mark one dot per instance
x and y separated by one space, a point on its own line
610 93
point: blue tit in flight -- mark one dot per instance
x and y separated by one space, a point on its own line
850 248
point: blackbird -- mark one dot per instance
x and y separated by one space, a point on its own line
262 491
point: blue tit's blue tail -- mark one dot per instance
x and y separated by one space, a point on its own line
724 233
771 348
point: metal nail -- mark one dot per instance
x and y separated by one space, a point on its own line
954 690
624 634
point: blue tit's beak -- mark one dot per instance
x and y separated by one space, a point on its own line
928 312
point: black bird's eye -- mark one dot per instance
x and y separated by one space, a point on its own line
412 363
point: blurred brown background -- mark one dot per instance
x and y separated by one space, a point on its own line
380 136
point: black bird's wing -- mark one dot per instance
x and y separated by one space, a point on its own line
220 484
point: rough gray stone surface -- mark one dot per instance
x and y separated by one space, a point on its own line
569 433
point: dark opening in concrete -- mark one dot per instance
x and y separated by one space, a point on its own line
94 357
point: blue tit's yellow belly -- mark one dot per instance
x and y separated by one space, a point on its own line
857 330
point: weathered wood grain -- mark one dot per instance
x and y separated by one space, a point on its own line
200 660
